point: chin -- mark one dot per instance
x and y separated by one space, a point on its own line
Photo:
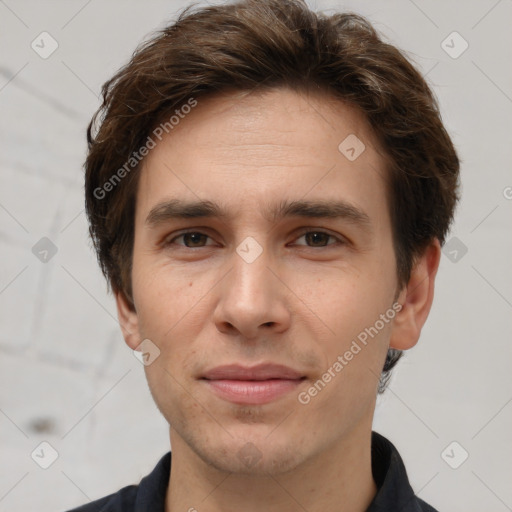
255 458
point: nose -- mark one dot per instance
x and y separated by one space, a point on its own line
253 298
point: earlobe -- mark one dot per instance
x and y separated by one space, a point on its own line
128 320
416 299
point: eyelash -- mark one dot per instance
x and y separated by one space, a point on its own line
339 241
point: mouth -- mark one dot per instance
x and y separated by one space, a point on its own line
252 385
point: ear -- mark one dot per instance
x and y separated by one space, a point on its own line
128 320
416 299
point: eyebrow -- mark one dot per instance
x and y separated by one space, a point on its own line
323 209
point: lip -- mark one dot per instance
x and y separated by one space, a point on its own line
263 371
252 385
252 392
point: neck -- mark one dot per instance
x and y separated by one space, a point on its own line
338 478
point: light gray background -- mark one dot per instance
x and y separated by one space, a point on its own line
68 378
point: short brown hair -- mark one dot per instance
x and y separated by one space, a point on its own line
268 44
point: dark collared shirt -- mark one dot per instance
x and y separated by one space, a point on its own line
394 492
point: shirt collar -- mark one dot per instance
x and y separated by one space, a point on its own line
393 489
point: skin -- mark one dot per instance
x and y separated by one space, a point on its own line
300 303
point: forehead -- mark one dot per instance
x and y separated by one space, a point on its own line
251 151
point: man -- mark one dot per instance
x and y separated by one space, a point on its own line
268 191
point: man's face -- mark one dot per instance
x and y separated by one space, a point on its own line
249 289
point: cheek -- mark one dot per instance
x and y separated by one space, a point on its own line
172 313
164 297
172 395
345 300
352 318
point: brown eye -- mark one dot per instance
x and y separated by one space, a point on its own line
319 239
192 239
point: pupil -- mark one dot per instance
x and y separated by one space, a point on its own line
194 236
314 236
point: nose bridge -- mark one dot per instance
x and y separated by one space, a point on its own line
253 253
250 273
250 295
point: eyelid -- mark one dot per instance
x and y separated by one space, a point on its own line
340 240
168 240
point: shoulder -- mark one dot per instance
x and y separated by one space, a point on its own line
389 473
121 501
148 494
425 507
